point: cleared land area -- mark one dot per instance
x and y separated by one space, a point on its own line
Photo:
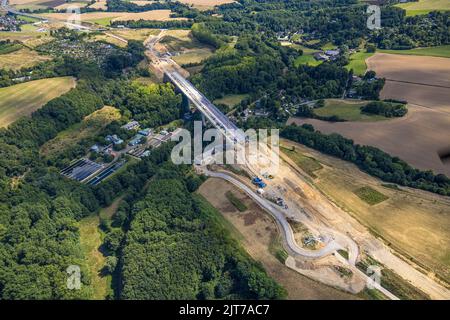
135 34
258 234
417 79
184 47
22 99
358 63
91 240
347 110
414 223
107 17
424 6
90 126
205 4
23 58
101 4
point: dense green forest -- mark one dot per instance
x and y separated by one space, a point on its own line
369 159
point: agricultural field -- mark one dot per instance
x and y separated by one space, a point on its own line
415 223
358 62
348 110
23 58
89 127
307 164
231 100
417 79
29 38
258 234
105 18
179 40
108 39
135 34
424 6
438 51
22 99
6 48
99 4
193 56
370 195
91 238
29 4
428 129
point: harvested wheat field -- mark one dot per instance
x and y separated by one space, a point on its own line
22 99
23 58
420 80
68 5
415 223
258 234
101 5
205 4
29 38
416 138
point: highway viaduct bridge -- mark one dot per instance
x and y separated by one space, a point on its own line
208 109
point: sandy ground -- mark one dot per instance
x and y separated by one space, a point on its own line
418 79
256 231
416 138
414 222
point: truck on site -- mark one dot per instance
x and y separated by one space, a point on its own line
258 182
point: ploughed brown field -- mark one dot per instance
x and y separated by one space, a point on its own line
420 80
417 137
